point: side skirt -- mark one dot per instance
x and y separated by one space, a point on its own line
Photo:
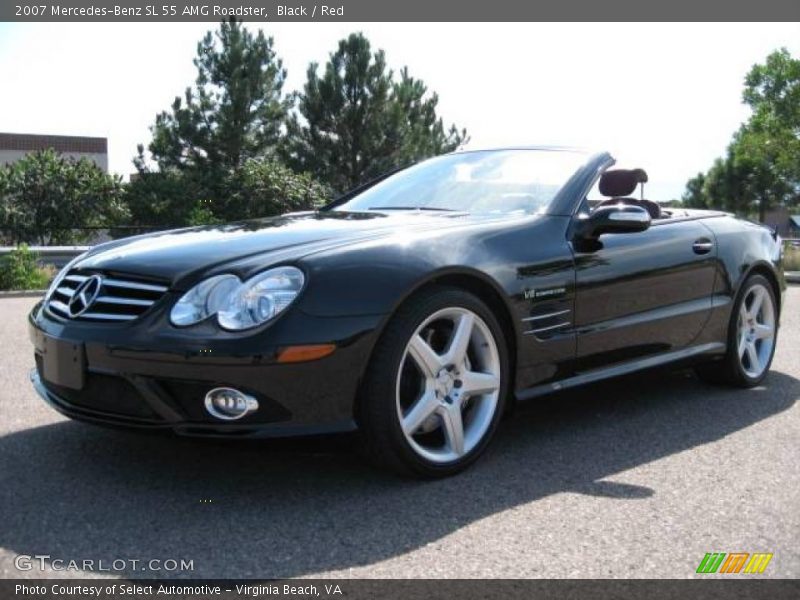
620 369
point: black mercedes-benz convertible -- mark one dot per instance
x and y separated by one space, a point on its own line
414 309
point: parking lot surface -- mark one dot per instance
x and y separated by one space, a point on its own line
638 477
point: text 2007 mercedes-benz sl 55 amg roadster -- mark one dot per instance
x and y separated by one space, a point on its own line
414 309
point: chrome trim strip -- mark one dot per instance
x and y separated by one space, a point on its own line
703 246
106 316
126 301
65 291
58 306
621 369
134 286
548 315
543 329
76 278
630 216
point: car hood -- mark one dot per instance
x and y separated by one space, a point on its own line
173 255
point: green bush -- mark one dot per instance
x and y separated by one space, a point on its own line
202 215
267 188
19 271
46 198
162 199
260 188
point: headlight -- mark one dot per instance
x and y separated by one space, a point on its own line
261 298
204 300
239 305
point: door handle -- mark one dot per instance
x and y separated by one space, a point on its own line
702 246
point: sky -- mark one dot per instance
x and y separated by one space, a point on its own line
663 97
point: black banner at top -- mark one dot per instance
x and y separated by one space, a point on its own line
401 10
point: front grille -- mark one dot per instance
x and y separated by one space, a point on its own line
118 299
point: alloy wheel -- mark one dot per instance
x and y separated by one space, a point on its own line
448 384
756 331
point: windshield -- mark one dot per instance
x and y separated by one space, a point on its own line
486 182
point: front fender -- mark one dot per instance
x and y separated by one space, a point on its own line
375 278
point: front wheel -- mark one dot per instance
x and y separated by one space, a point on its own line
752 334
436 385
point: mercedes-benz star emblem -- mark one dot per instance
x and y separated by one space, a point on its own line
84 295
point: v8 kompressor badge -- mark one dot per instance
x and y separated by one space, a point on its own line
544 293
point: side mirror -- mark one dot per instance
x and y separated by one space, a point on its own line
613 218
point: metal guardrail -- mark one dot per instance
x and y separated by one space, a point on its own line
57 256
791 251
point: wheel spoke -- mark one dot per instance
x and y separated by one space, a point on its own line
427 360
476 384
758 299
422 409
453 428
744 315
763 331
459 342
742 344
752 357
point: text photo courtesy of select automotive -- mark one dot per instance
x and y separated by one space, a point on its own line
340 305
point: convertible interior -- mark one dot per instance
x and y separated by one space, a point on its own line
618 186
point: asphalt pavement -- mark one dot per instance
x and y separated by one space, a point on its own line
639 477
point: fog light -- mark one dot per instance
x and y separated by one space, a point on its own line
229 404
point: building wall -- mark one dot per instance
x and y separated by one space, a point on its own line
14 146
10 156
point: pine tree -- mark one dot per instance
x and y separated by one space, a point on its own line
233 115
357 121
235 111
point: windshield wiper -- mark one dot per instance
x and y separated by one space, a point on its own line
437 208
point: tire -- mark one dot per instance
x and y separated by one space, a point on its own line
751 339
427 377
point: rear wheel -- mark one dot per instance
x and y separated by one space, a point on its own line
436 385
752 334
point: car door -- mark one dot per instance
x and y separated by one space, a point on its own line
644 293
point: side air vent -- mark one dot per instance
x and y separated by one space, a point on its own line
546 324
95 297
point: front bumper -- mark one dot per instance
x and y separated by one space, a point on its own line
109 375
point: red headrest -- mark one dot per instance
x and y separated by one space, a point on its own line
621 182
